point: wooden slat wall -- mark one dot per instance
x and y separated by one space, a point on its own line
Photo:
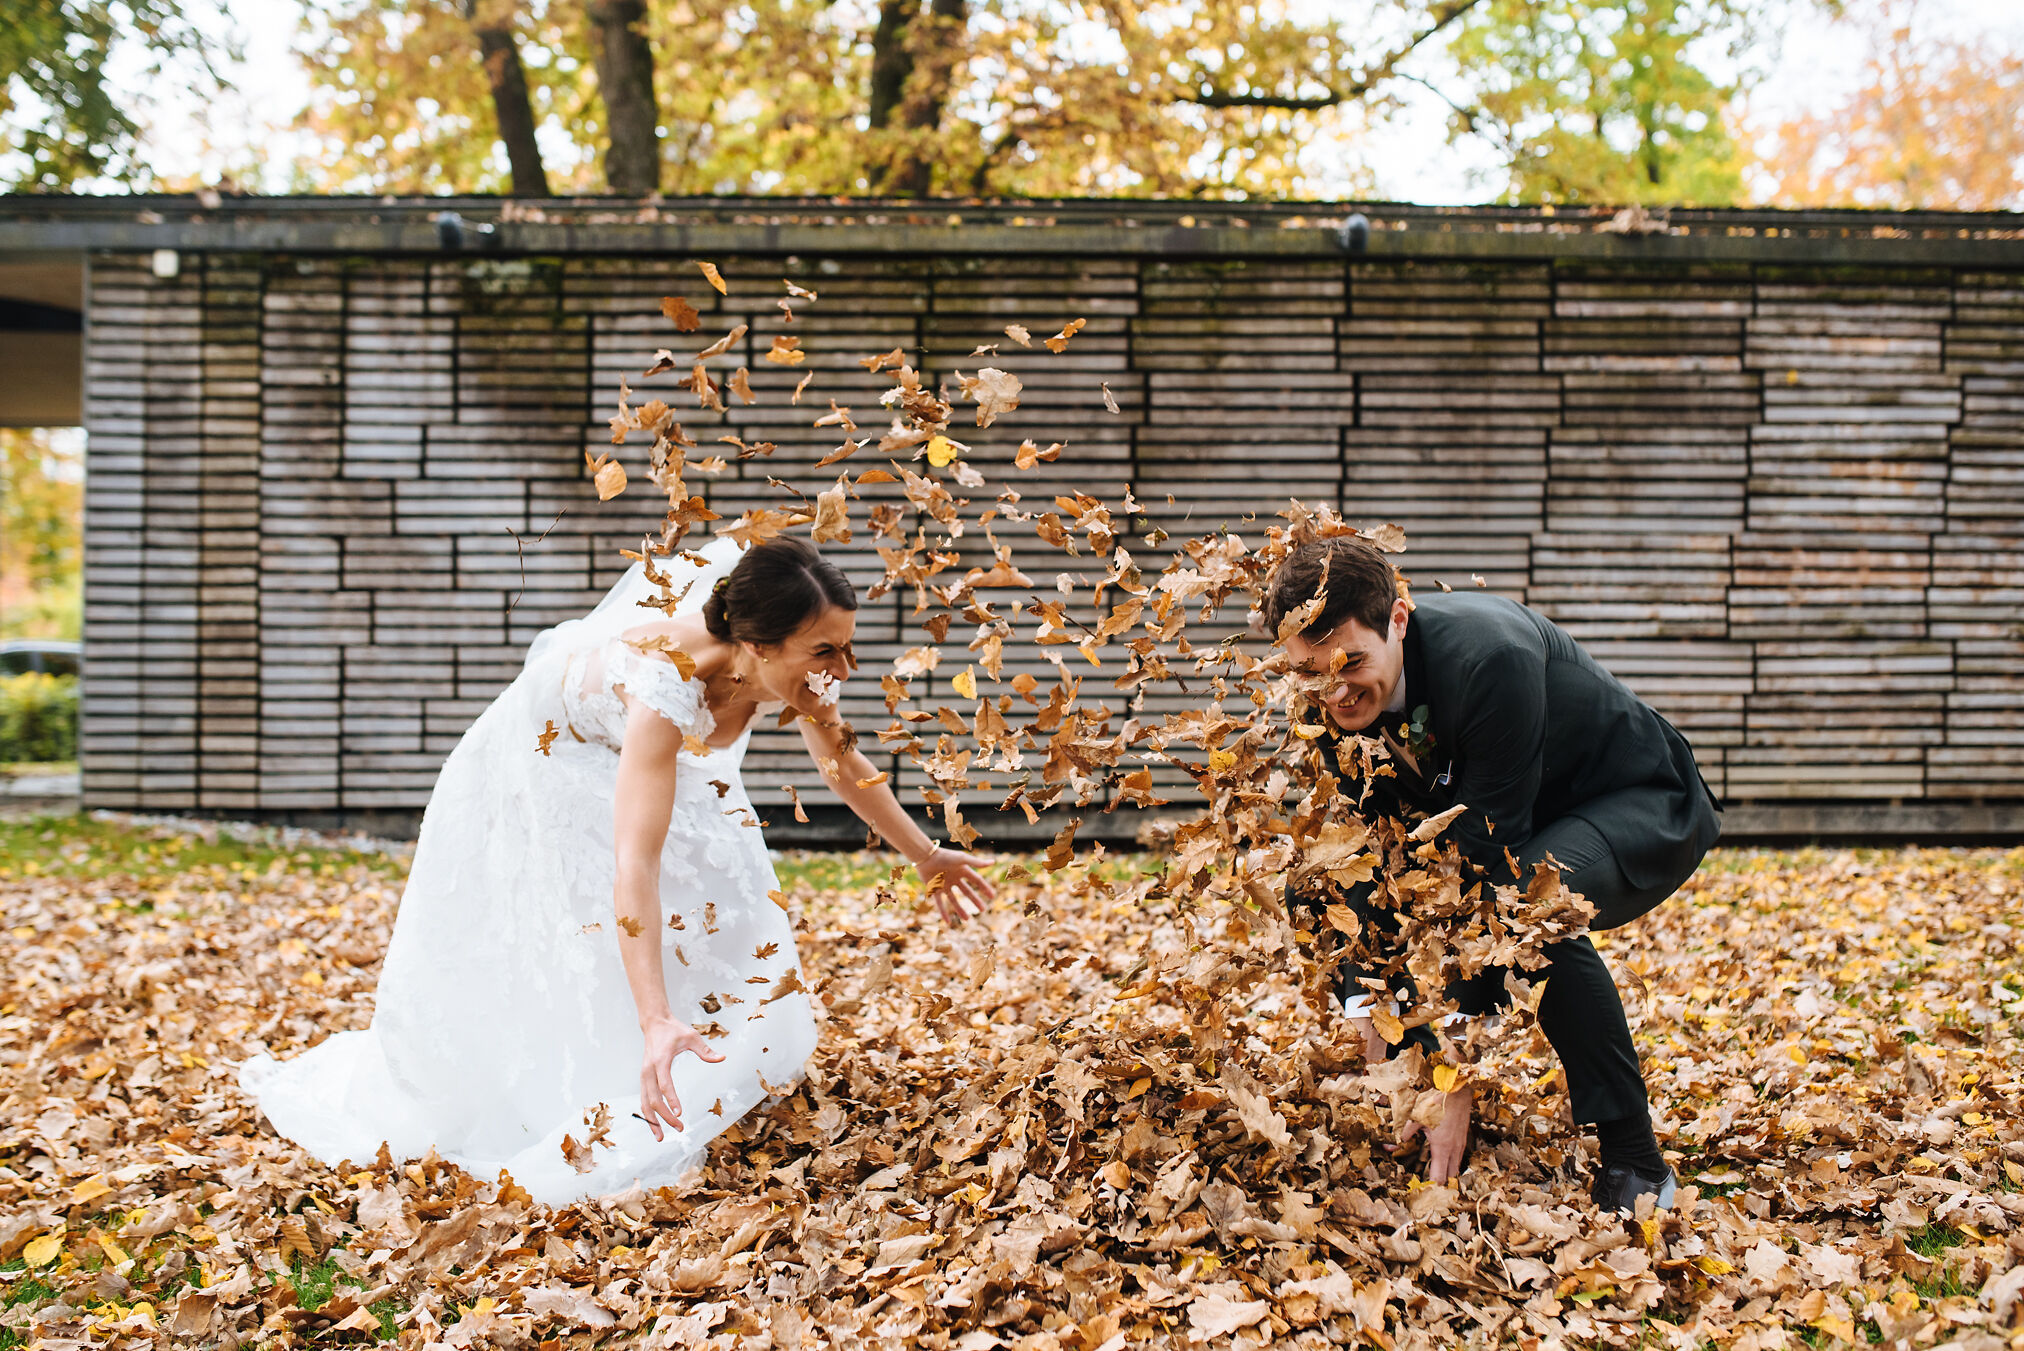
1785 504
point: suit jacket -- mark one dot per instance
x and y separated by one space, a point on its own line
1526 728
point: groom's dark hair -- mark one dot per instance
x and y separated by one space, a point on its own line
776 588
1360 582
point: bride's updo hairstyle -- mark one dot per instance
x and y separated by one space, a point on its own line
776 588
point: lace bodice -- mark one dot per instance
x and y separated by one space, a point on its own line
592 682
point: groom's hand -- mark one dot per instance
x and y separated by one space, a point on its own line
667 1038
1374 1048
1447 1142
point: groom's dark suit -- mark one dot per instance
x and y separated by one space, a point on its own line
1551 754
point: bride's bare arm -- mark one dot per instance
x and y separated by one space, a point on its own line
950 875
644 800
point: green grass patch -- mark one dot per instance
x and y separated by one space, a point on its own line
1934 1239
1933 1243
86 847
315 1282
858 871
19 1291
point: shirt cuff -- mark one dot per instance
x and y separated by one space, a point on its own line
1361 1005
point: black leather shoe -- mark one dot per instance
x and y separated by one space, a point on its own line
1617 1189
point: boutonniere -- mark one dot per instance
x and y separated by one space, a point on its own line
1419 736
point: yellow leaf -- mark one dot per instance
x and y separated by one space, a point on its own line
941 451
1798 1055
90 1189
1308 731
966 682
1446 1077
1222 760
1389 1025
714 277
1714 1266
113 1252
1841 1329
42 1251
1138 1086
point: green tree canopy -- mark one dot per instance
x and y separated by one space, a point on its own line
62 120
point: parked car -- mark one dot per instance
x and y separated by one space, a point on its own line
52 656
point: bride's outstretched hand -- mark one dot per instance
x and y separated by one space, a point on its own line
952 880
666 1039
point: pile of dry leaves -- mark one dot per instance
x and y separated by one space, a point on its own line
1096 1120
1117 1111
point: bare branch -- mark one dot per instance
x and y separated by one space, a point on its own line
1442 16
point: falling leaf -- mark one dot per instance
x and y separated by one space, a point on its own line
546 737
1434 825
608 475
995 391
1109 399
1019 334
681 313
714 277
942 451
786 351
723 344
1059 342
1029 455
832 515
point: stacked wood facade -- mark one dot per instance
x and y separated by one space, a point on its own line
1779 489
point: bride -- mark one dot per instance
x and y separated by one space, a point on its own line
538 1012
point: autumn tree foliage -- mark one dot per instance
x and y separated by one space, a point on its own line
1937 124
1584 99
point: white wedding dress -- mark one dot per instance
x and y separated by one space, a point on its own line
503 1018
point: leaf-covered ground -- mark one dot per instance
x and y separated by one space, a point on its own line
1092 1122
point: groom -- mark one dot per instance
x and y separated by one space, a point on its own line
1488 704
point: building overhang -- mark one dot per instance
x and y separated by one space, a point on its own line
1305 230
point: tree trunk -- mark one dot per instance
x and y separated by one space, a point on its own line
492 23
625 76
890 59
913 66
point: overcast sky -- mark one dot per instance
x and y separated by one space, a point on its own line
1813 66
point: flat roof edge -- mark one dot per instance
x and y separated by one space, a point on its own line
1421 239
